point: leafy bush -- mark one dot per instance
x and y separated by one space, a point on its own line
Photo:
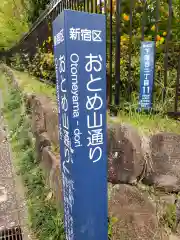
42 65
13 22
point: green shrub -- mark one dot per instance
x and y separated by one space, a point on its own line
169 218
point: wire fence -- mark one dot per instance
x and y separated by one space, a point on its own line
128 23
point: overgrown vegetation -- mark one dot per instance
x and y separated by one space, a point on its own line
13 22
42 64
111 222
147 123
37 7
31 84
169 217
16 17
44 218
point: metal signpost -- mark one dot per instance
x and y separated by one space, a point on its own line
80 60
146 75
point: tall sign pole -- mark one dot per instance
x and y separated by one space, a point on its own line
146 75
80 60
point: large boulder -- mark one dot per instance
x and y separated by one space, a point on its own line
44 116
125 157
173 237
164 172
51 164
135 214
38 121
42 141
51 122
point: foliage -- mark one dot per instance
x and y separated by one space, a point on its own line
17 62
130 67
148 124
111 222
42 64
169 218
31 84
13 22
44 218
36 8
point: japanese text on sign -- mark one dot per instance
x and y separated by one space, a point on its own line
85 35
64 135
93 104
59 37
80 63
147 68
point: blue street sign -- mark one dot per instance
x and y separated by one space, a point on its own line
146 75
80 59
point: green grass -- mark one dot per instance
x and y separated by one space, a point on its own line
31 84
45 219
3 84
148 124
169 217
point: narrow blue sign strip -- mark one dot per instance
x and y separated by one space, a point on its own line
146 75
80 57
63 115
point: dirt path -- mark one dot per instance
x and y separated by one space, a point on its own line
13 212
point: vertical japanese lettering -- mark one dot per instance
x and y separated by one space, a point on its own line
94 103
68 184
80 63
147 61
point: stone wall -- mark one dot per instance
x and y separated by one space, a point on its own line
44 119
143 171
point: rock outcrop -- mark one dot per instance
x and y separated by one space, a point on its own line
125 158
165 162
136 215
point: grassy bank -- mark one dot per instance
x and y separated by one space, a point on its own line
147 124
45 219
31 84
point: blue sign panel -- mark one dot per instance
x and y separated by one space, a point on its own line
146 75
80 59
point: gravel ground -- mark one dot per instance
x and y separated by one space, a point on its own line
13 212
